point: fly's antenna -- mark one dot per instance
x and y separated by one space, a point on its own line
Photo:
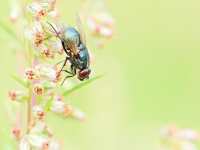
57 34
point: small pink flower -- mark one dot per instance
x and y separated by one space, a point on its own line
14 14
101 24
31 74
38 112
37 10
16 132
16 95
35 34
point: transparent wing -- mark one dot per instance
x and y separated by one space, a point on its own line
80 28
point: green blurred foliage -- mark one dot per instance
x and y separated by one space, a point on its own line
152 77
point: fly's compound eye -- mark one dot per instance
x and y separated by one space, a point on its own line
84 74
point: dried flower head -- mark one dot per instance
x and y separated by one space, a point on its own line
38 89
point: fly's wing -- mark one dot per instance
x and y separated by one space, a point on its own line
57 29
80 29
72 47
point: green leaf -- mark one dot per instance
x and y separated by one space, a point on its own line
76 87
20 81
48 104
8 30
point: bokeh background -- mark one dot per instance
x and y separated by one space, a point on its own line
152 77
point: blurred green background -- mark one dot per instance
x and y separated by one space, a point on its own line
152 77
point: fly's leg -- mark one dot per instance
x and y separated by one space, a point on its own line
68 72
70 76
73 69
72 73
65 61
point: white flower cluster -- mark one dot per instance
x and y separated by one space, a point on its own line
179 139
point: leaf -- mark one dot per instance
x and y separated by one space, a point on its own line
8 30
20 81
48 104
76 87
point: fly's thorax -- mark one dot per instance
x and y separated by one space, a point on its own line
71 36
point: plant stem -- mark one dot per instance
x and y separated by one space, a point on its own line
29 109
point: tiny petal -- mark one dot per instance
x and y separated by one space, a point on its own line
107 32
78 115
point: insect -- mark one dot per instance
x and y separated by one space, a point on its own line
74 45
